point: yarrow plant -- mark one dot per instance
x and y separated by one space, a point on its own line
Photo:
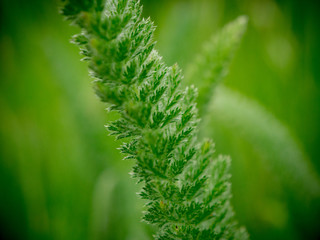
185 185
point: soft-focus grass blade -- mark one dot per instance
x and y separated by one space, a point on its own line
273 140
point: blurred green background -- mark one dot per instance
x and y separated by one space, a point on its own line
61 176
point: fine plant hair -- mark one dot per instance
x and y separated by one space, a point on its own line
185 185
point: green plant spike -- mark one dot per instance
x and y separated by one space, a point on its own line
186 187
241 114
212 64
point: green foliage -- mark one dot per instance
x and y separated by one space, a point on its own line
186 186
212 65
275 142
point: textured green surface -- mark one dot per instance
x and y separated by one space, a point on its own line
186 187
55 154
